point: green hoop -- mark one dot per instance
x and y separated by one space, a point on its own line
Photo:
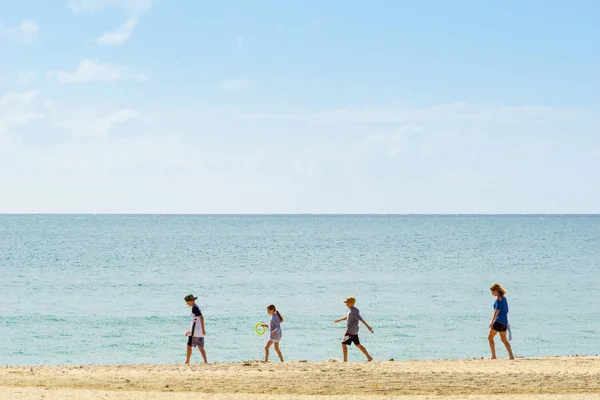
260 329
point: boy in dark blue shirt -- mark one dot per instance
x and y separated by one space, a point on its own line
196 331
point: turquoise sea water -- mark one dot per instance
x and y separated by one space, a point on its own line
109 288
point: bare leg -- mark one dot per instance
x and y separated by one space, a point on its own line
491 341
203 352
507 345
345 352
189 354
365 352
269 343
278 351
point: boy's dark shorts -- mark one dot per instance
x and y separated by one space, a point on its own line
349 339
195 341
500 327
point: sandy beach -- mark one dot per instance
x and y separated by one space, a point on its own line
539 378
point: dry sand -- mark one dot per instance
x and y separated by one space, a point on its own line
537 379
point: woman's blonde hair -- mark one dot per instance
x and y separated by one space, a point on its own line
498 287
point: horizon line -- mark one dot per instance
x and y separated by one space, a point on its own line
303 214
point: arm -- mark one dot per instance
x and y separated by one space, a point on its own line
367 325
496 310
272 326
202 324
340 320
494 317
189 331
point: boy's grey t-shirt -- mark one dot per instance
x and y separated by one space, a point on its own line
352 321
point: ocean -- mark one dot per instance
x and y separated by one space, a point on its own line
87 289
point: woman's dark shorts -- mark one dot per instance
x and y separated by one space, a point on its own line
499 327
195 341
349 339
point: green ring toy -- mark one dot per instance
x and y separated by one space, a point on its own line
260 329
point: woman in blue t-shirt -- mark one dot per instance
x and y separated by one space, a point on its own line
499 320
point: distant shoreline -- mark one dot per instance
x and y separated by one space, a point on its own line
528 378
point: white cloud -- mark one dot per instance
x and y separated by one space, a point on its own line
100 126
18 98
94 71
25 77
235 84
393 143
101 157
454 112
123 33
19 118
91 6
239 42
81 123
120 35
16 109
26 33
134 160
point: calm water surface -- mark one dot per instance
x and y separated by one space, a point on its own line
109 288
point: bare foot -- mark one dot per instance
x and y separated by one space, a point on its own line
493 358
369 359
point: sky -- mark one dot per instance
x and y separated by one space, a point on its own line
302 106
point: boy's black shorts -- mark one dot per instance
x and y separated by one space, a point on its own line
195 341
349 339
